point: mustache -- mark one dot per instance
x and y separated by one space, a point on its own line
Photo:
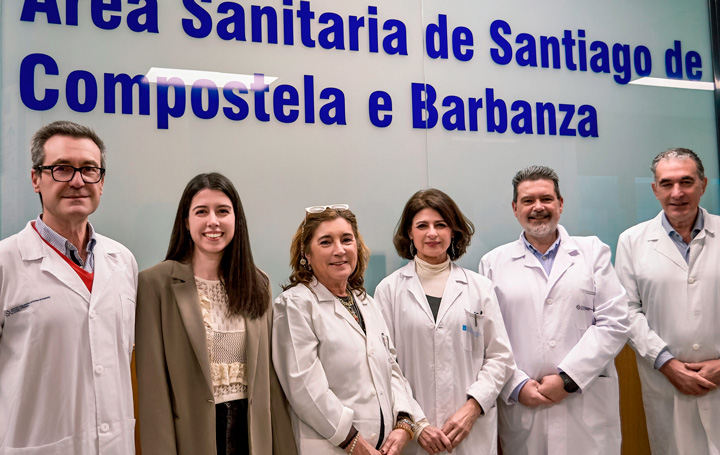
539 214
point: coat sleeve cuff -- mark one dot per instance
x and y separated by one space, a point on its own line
343 427
485 401
663 358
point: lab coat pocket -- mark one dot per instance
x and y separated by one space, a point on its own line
388 352
601 402
65 445
127 313
584 308
472 329
22 316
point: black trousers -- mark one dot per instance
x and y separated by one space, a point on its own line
231 428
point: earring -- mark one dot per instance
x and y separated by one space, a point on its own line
452 248
303 261
412 247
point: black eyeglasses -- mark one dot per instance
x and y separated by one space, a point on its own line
65 173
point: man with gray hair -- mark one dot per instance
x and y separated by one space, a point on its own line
566 315
68 309
670 267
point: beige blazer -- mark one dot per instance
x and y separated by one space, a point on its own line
177 410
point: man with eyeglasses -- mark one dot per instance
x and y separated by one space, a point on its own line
68 312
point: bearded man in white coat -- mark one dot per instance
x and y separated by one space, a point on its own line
68 312
567 318
670 267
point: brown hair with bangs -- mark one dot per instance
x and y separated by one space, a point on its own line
432 198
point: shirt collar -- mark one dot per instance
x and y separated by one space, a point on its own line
697 227
60 242
551 251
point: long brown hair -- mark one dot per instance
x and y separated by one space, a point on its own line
301 245
246 286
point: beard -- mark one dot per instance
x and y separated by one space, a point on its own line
540 228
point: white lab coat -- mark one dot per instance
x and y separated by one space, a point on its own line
64 352
575 320
333 374
466 352
676 305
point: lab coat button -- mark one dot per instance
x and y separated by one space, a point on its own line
696 347
370 352
691 280
99 370
373 392
552 343
373 436
549 301
92 314
104 427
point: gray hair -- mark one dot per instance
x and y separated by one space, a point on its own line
534 173
678 154
62 128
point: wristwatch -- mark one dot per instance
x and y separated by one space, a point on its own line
568 384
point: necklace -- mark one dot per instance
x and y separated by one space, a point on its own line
349 303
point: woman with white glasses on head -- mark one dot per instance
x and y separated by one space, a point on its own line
331 348
446 324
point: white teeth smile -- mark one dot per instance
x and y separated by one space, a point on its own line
213 235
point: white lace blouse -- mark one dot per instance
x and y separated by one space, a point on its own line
225 342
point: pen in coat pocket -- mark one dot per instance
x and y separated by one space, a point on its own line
476 316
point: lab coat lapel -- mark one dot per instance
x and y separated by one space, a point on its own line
455 284
529 260
342 312
416 290
664 244
188 303
564 259
106 262
325 296
33 247
704 239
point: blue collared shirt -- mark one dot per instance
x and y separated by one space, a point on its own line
546 259
67 248
683 248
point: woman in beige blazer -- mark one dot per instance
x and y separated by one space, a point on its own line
206 383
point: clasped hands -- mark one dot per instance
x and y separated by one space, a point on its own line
435 440
550 390
692 378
